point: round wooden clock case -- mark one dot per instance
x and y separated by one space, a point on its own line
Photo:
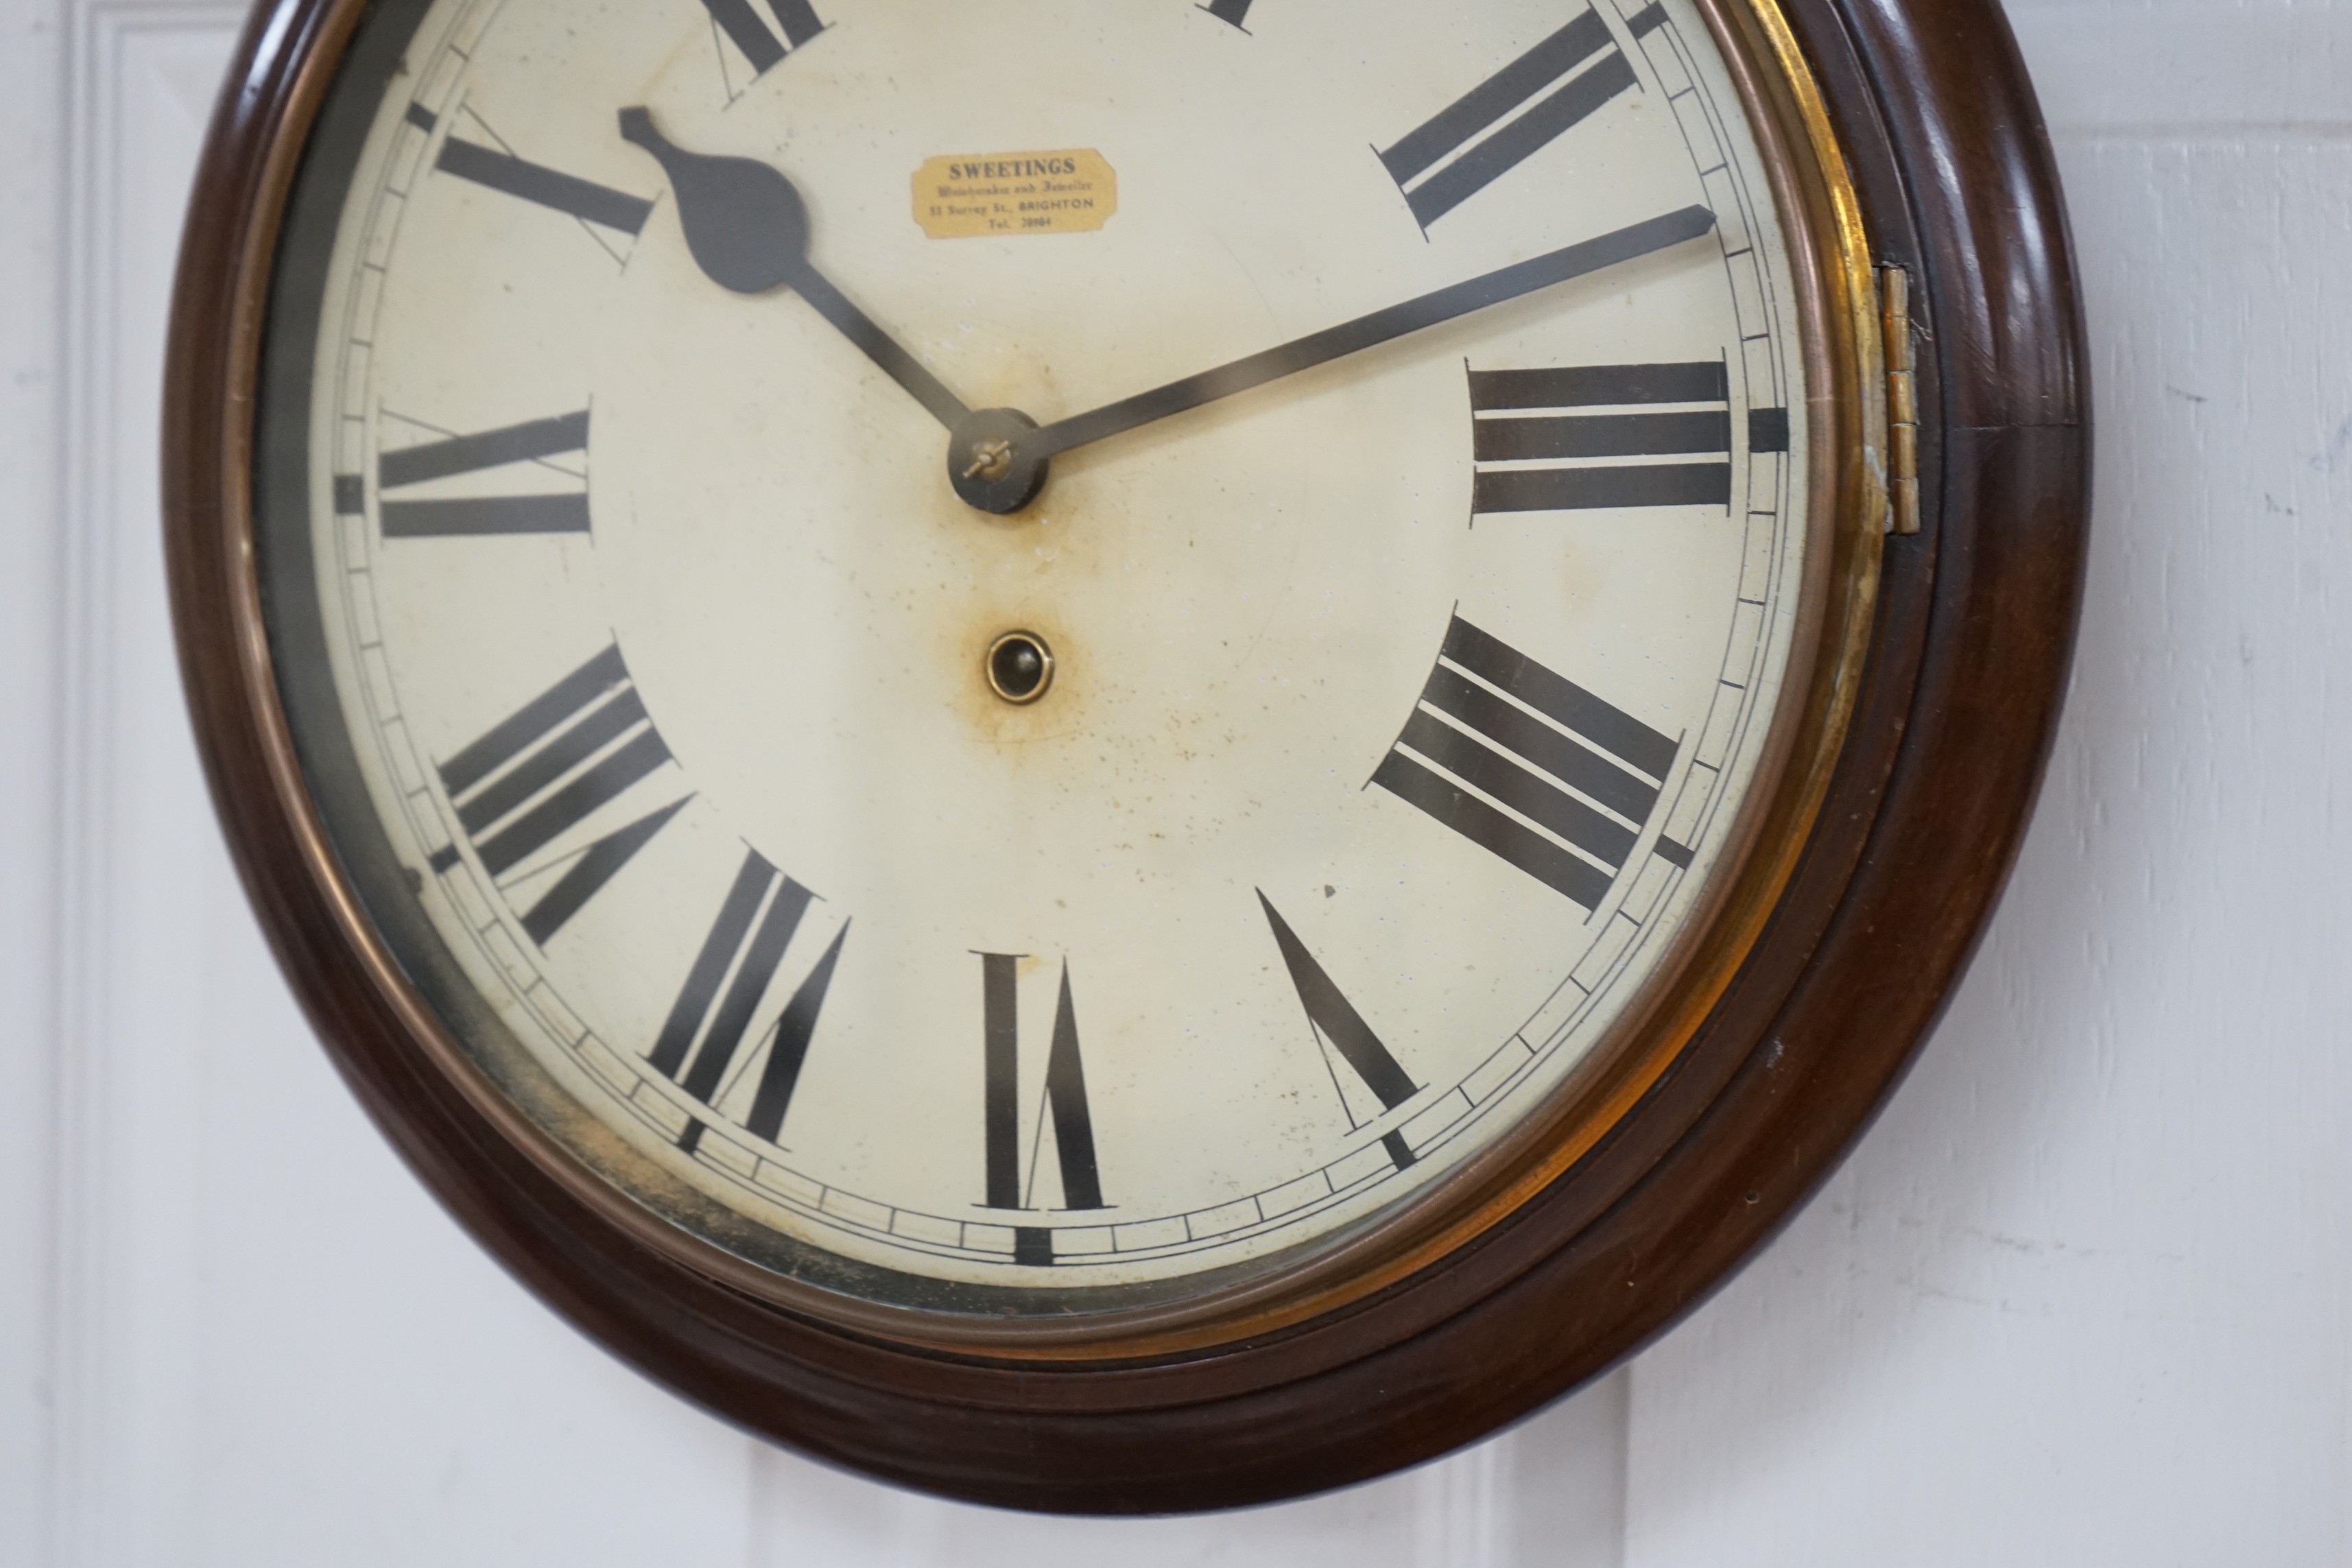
1907 161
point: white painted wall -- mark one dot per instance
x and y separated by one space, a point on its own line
2084 1296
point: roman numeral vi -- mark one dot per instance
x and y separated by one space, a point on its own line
1064 1101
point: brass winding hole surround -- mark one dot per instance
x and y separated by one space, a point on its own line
1018 667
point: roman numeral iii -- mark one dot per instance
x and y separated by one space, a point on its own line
748 33
1335 1020
1064 1101
449 517
1513 115
1530 766
703 1035
1560 461
541 773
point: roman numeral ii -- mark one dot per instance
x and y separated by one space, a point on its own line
1530 766
1445 163
541 772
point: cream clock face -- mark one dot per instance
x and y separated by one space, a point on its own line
1018 654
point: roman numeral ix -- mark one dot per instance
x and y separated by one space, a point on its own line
1518 418
703 1037
541 773
1063 1101
451 517
1335 1020
1513 115
1531 766
743 28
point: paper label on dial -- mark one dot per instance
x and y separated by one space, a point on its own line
963 195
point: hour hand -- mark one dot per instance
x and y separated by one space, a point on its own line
748 229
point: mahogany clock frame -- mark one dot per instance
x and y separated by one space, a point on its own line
1949 731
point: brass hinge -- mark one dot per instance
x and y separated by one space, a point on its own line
1902 403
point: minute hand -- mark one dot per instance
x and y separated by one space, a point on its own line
1366 331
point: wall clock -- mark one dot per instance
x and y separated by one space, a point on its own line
1124 756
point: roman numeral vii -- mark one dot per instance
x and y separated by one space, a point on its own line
703 1038
1530 766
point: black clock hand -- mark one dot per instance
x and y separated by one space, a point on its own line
997 459
748 229
1368 331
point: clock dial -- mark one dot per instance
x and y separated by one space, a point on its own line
1273 676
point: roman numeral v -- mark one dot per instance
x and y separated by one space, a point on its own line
1334 1019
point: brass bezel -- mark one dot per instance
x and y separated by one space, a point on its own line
1821 212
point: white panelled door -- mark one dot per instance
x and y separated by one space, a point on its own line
2081 1296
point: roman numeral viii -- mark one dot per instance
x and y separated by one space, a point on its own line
1530 766
1336 1021
538 775
1063 1102
446 517
748 33
1516 419
703 1038
1513 115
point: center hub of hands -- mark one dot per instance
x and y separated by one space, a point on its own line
986 464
